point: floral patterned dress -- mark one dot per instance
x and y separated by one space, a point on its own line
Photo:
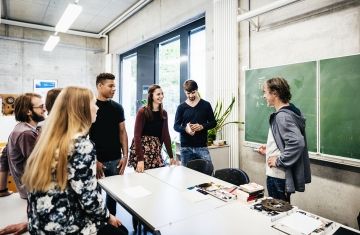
79 208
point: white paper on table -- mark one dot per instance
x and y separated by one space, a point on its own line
137 191
300 223
194 196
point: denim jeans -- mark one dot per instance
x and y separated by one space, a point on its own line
110 170
276 188
190 153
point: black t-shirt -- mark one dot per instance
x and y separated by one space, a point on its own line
154 127
104 132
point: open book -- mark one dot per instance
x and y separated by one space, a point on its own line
216 190
251 187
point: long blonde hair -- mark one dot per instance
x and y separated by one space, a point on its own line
69 116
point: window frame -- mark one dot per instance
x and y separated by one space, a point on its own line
150 51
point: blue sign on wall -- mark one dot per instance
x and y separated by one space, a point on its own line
45 85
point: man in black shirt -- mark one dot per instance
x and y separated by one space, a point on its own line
109 134
193 119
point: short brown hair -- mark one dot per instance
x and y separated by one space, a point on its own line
51 96
23 105
280 87
190 85
104 76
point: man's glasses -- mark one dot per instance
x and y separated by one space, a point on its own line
39 107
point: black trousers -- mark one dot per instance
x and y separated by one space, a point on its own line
111 230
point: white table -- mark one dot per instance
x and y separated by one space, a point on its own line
229 219
167 210
233 219
163 206
181 177
12 210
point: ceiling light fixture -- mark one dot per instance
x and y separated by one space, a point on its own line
51 43
71 13
67 19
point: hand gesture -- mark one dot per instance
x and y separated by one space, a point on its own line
262 149
114 221
16 229
173 161
196 127
122 165
272 161
140 166
189 130
99 170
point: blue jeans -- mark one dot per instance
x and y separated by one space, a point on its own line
110 170
276 188
190 153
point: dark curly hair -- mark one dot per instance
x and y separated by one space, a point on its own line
104 76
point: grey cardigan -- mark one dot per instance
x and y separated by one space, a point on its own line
288 128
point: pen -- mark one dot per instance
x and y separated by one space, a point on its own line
232 190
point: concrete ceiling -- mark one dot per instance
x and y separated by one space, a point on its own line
95 16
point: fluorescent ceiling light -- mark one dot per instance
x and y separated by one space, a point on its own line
51 43
71 13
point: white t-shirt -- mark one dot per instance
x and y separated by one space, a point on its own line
272 150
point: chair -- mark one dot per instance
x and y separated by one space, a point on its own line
232 175
201 165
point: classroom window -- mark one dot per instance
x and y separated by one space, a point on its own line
169 77
128 93
168 61
197 58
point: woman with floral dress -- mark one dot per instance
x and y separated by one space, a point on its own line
151 131
60 174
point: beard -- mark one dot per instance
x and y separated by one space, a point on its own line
36 117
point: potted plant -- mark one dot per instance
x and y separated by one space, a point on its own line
220 117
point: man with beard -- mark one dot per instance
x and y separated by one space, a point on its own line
21 227
109 134
193 119
29 111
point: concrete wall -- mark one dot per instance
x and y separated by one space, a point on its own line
304 31
75 61
300 32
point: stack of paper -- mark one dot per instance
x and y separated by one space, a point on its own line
298 223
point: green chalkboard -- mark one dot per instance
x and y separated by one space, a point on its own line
340 106
302 80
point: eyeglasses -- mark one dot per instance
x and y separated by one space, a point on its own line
39 107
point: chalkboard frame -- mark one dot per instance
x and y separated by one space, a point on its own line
313 155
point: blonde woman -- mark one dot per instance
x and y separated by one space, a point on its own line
60 174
